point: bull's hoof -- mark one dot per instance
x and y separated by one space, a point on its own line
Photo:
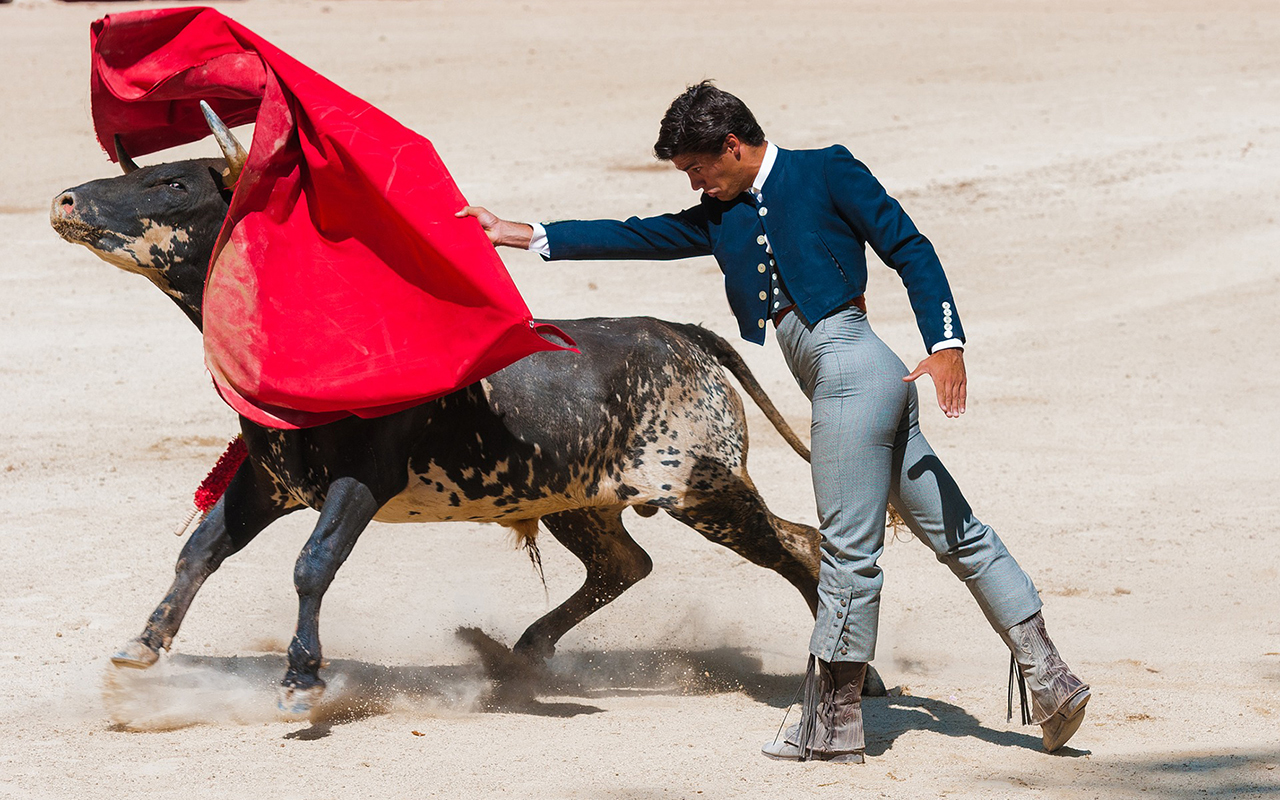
499 663
135 655
537 653
296 703
873 684
517 677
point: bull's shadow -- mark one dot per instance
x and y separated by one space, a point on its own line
184 690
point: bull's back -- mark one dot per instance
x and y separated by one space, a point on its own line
629 419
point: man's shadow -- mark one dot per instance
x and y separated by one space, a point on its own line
887 718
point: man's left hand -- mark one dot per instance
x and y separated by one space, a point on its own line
946 367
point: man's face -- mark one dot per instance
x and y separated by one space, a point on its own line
722 175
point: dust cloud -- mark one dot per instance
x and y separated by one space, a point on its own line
181 691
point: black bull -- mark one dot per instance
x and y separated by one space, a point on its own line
645 418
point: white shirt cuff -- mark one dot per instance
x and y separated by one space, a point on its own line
946 344
539 244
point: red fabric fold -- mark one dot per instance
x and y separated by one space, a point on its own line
342 283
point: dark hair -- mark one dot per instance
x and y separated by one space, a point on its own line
699 120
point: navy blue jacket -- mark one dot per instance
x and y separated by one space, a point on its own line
820 209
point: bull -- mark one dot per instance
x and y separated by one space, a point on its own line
643 418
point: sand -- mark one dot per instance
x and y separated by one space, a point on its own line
1100 180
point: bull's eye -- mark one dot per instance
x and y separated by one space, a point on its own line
177 185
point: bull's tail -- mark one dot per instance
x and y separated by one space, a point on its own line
730 360
724 353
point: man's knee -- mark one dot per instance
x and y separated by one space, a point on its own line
970 550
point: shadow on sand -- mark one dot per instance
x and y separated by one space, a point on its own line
186 690
1238 772
887 718
183 690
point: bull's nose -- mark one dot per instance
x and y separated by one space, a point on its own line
64 205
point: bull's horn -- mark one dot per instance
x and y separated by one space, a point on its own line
127 164
231 149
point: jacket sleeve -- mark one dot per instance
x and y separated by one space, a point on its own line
660 238
864 204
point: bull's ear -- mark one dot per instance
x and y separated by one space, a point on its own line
231 149
127 164
218 175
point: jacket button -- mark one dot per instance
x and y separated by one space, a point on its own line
761 268
764 296
760 239
763 211
759 323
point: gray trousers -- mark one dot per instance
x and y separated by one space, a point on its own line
867 451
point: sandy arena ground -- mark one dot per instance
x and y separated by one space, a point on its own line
1100 179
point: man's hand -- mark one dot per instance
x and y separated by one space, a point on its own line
501 232
946 367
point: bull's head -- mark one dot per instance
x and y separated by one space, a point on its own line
159 221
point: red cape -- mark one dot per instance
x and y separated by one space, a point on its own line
342 283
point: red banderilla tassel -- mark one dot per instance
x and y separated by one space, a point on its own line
215 483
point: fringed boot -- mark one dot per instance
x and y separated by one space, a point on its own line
1058 697
830 727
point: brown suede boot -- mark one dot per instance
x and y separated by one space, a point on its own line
830 727
1058 697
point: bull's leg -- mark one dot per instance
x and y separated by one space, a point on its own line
614 563
348 507
244 511
734 515
731 513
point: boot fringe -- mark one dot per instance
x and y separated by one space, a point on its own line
1015 676
809 709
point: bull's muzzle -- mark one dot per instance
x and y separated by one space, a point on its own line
64 216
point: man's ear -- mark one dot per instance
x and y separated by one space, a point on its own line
733 145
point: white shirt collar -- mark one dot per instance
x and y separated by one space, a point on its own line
770 156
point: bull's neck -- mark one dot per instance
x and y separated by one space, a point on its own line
191 308
184 285
187 275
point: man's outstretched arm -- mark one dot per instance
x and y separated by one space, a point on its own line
660 238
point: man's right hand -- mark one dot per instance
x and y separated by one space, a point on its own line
501 232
